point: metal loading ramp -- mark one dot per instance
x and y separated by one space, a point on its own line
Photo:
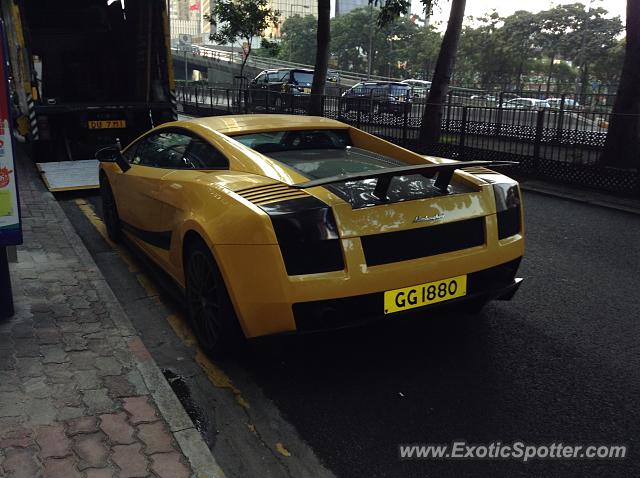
70 175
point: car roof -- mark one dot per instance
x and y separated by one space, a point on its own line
230 124
276 70
382 83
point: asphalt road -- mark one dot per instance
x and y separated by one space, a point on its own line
559 363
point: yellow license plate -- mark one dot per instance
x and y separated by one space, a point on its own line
107 124
307 90
424 294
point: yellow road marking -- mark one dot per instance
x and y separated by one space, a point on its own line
176 321
88 211
219 378
149 287
215 375
182 330
282 450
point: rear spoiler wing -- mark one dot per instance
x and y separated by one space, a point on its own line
384 176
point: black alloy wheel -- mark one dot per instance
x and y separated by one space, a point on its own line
209 307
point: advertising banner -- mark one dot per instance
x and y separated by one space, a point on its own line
10 228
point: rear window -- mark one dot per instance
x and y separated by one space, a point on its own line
302 77
275 141
317 153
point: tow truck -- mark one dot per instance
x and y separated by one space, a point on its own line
87 74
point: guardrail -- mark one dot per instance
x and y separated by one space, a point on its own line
594 101
558 144
265 63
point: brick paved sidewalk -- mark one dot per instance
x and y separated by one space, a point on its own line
80 396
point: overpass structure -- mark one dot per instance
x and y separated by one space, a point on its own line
222 66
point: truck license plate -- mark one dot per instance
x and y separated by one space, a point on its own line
107 124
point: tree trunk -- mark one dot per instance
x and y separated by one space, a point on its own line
432 117
622 147
322 58
519 78
244 61
584 83
551 60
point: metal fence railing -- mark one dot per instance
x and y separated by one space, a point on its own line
218 54
556 143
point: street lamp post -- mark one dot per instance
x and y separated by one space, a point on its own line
369 64
186 66
391 40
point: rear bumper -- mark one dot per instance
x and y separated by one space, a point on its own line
497 282
267 301
395 107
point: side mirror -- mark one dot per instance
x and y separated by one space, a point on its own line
112 154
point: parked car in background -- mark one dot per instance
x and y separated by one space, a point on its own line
377 97
419 88
568 104
281 88
486 97
526 103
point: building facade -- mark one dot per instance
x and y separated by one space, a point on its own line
186 20
291 8
345 6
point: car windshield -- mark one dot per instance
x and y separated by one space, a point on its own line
302 77
317 153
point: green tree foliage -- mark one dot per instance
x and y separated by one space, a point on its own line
607 68
268 48
421 52
589 34
553 46
299 39
431 120
399 49
350 39
241 20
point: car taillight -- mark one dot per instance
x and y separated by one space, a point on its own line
507 208
307 234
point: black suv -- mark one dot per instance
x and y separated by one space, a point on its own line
281 88
377 97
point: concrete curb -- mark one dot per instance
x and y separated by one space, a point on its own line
594 198
193 447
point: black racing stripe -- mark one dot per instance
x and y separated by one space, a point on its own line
158 239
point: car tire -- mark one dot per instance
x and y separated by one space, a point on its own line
209 306
110 212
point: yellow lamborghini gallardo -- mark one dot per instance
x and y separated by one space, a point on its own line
277 223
